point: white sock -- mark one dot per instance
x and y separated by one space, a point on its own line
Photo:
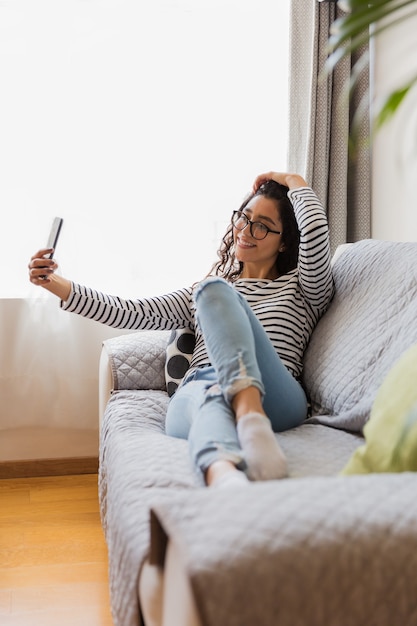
231 479
263 455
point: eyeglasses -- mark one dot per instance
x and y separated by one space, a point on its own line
257 229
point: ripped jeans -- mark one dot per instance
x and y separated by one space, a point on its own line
242 355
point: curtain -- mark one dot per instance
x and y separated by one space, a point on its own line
320 124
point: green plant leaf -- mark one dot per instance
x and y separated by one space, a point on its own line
364 20
391 103
354 29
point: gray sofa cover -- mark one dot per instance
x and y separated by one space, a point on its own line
317 548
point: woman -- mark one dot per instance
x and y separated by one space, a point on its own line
252 317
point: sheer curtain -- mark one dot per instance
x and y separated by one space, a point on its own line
143 125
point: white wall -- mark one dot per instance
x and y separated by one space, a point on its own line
48 365
394 181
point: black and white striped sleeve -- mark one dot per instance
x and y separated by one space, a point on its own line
314 262
173 310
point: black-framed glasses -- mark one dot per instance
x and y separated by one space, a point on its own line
257 229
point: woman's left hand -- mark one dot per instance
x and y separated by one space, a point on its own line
292 181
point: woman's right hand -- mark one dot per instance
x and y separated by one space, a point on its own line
42 274
41 267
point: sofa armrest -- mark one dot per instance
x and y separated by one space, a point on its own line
132 361
304 551
105 383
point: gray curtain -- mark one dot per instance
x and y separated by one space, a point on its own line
320 127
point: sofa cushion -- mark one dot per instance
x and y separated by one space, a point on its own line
391 432
369 324
137 360
180 349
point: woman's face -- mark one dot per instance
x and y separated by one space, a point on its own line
259 255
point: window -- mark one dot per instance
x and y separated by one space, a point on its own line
143 125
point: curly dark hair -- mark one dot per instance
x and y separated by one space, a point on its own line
230 268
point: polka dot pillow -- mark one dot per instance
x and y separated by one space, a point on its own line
178 357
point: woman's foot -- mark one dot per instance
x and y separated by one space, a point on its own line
263 455
225 474
231 479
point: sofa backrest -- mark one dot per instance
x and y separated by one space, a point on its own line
370 322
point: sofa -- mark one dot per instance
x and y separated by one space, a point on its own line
332 544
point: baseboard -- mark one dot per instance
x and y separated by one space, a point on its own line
49 467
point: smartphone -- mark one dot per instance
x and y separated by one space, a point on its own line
54 234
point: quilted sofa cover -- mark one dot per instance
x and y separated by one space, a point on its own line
315 549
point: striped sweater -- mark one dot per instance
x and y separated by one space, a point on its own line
288 307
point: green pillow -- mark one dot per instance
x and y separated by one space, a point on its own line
391 431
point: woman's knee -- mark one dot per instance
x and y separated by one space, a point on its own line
214 295
210 285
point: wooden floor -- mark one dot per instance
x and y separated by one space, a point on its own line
53 557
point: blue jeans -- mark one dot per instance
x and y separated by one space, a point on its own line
242 355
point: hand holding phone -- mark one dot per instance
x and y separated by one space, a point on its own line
54 234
